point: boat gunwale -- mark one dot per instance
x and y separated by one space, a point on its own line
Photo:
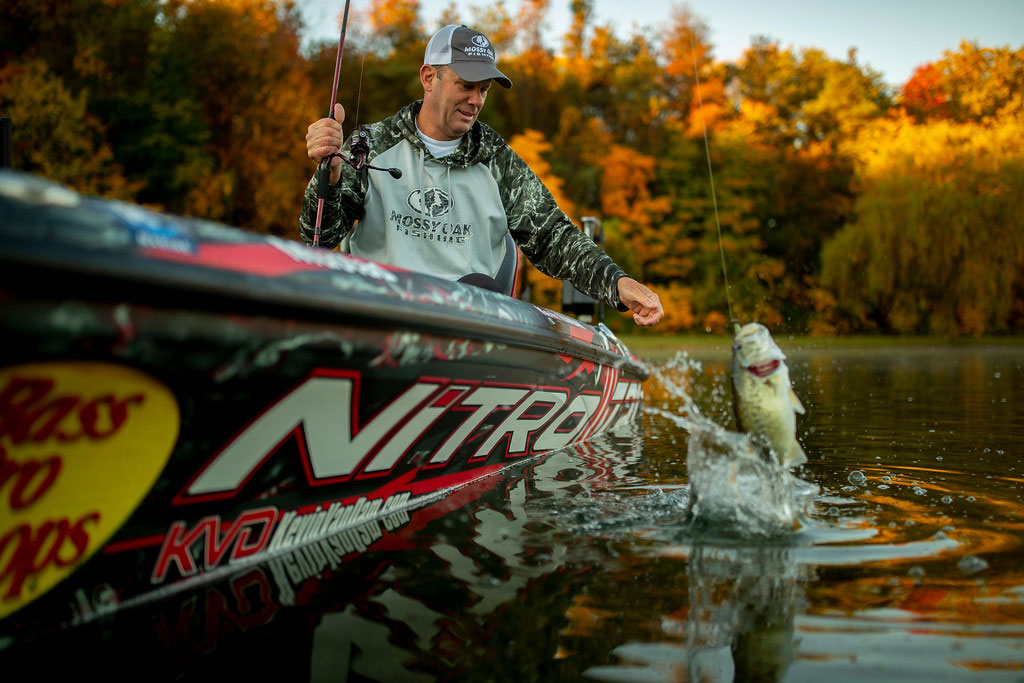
211 291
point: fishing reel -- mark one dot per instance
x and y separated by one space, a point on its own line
360 146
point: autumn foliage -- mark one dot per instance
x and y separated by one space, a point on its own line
840 203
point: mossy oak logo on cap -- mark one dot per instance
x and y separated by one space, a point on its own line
80 446
433 202
480 41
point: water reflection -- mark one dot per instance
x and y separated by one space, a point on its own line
739 625
582 564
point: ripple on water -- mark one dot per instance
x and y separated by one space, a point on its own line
902 567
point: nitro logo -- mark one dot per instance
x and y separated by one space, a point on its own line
481 419
433 202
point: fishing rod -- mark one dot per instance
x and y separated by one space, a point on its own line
711 176
359 144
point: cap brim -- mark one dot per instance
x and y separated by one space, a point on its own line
476 71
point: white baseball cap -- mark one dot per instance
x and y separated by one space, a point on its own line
467 52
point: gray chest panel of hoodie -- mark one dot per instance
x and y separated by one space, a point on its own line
435 219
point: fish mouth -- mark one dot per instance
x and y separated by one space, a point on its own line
762 370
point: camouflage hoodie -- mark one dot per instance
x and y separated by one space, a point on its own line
448 217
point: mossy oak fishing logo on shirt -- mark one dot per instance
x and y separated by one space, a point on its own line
80 446
433 202
431 205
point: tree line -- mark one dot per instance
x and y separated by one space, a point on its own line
841 204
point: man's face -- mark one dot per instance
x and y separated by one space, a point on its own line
451 104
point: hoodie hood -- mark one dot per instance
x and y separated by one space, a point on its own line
478 146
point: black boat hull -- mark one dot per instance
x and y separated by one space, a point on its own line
179 399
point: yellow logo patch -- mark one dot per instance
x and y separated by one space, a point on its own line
80 446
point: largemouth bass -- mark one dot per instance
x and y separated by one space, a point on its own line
763 400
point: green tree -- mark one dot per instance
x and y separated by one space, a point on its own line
55 135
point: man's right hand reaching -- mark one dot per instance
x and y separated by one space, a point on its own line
324 137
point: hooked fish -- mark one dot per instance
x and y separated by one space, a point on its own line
763 400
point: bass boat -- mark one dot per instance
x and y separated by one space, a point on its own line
180 399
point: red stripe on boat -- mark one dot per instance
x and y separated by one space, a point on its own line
257 259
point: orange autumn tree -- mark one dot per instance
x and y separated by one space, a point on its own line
56 136
396 21
532 147
641 235
923 96
243 68
178 104
58 64
979 84
937 241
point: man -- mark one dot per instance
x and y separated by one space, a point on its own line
462 189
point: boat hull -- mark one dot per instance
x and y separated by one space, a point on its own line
179 399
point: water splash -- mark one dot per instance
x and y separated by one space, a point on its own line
733 489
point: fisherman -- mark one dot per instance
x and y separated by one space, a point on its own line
462 189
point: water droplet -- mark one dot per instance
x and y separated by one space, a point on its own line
971 564
910 399
856 478
883 486
916 570
920 491
939 458
947 499
970 499
887 479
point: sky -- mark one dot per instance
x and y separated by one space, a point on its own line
893 37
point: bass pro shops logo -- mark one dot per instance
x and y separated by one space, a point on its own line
432 202
81 444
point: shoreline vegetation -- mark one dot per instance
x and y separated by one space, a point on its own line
653 348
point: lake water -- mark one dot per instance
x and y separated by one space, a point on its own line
581 565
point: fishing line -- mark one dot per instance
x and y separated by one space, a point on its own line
711 176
